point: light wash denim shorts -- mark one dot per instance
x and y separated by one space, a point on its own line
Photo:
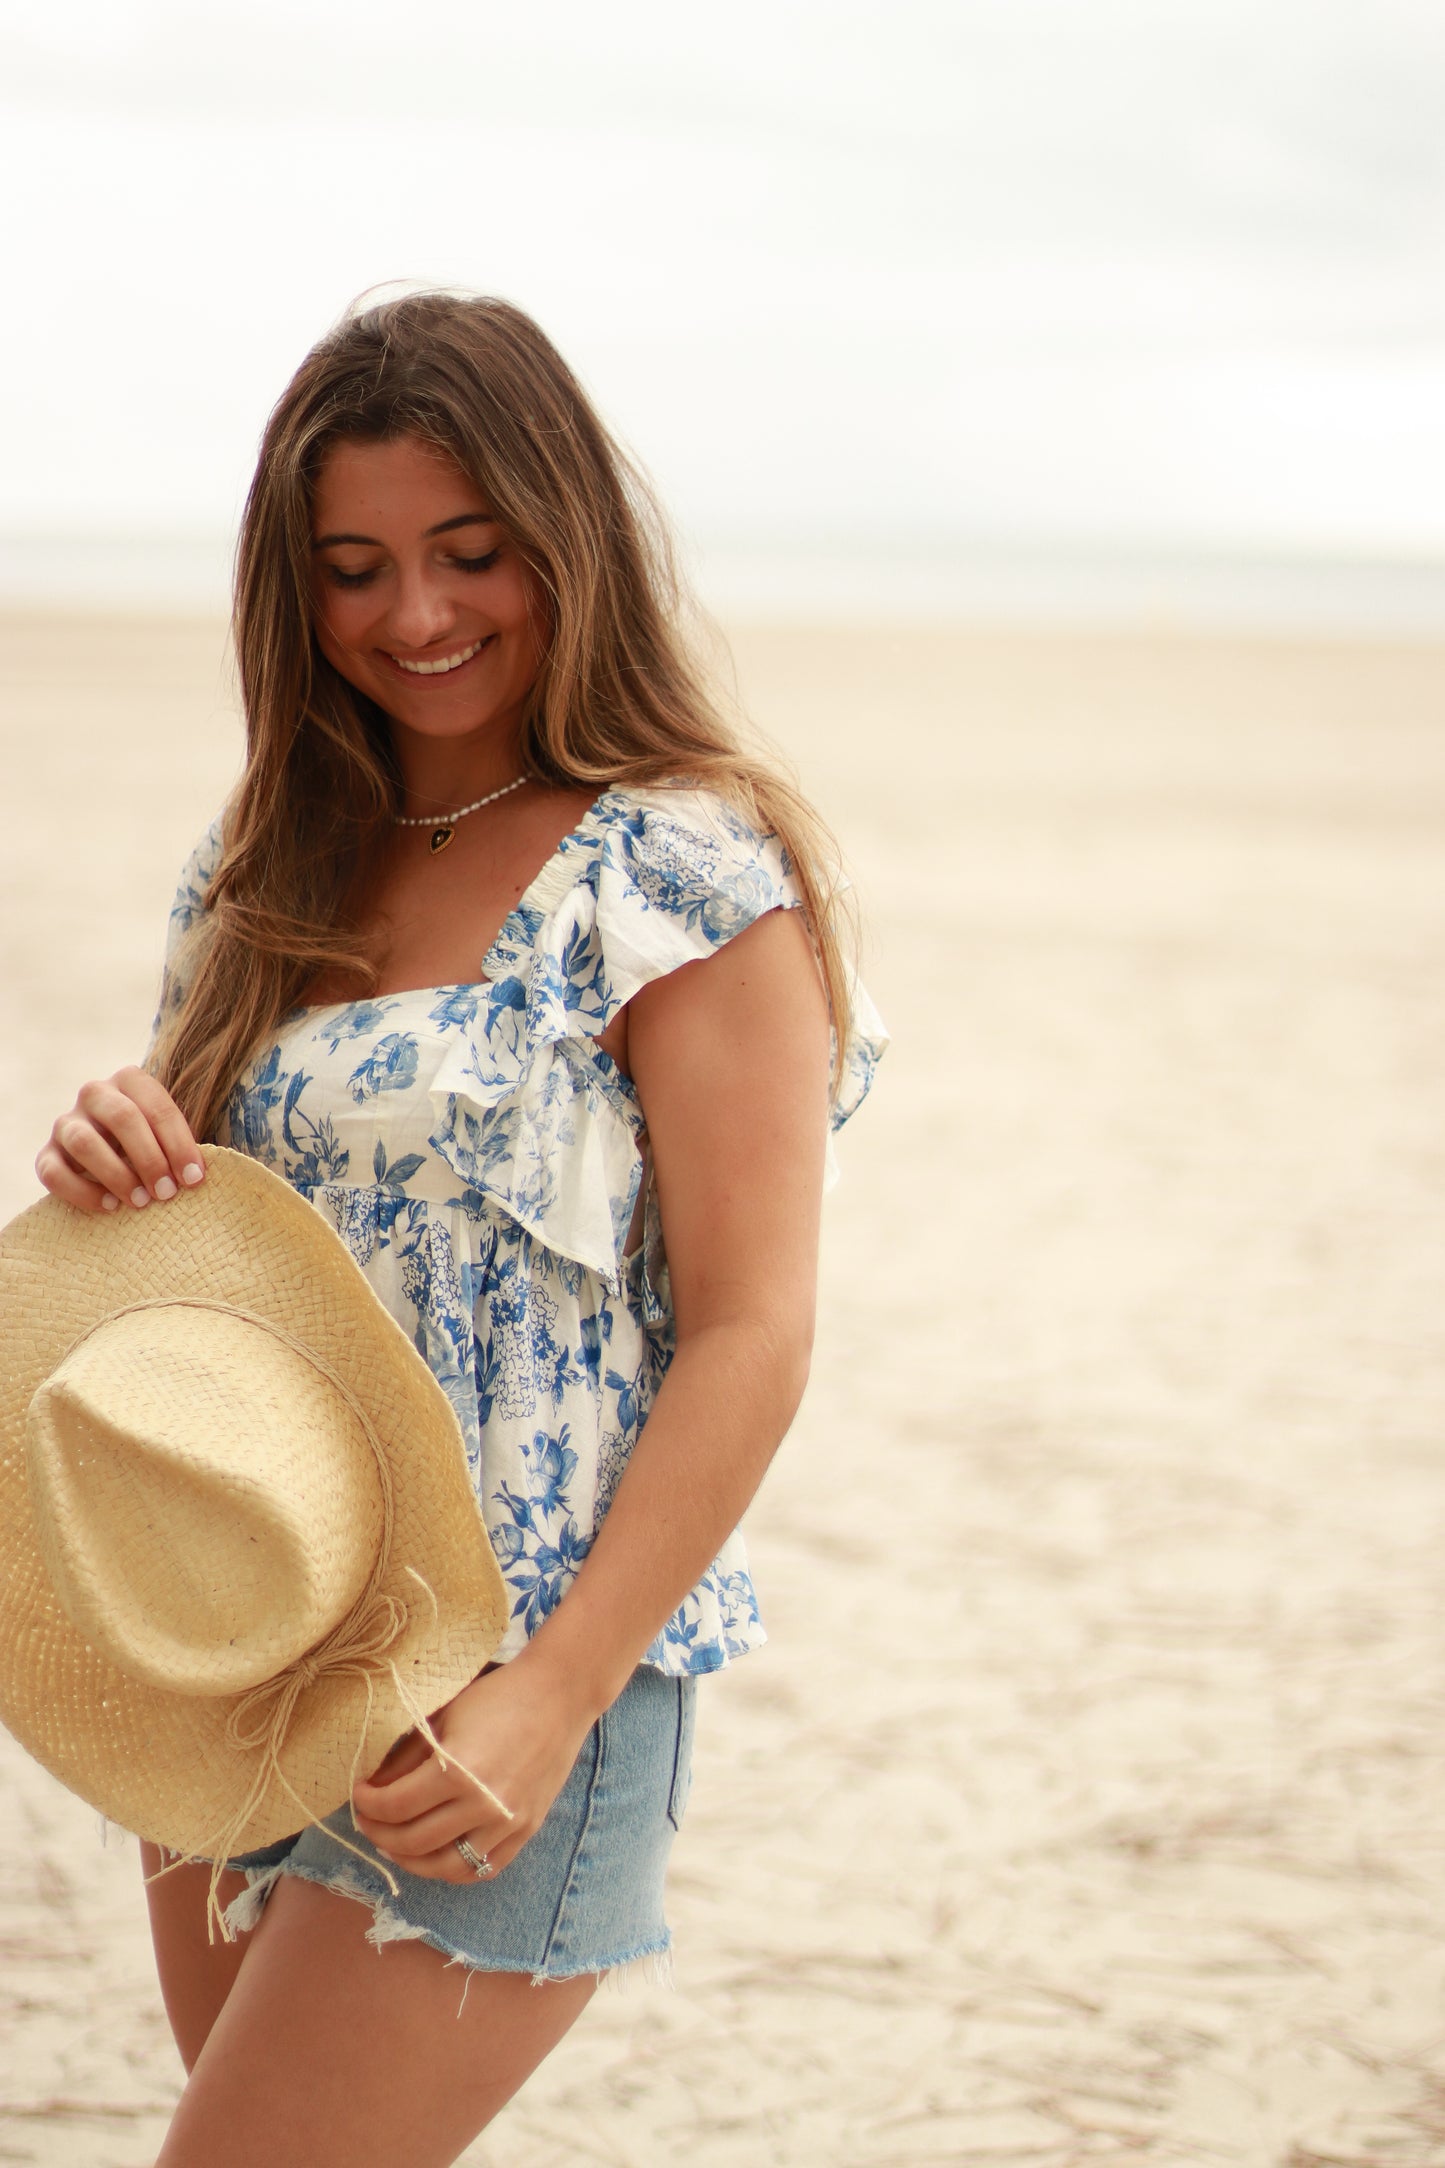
582 1895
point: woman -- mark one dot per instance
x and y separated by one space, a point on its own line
510 956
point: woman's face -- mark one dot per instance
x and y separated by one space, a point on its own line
418 597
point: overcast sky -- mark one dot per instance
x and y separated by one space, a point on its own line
904 276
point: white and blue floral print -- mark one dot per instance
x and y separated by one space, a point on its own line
481 1156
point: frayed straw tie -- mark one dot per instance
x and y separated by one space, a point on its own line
357 1648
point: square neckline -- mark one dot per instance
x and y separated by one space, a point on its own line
524 902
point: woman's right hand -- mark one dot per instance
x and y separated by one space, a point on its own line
124 1142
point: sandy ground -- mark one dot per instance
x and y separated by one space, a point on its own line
1089 1803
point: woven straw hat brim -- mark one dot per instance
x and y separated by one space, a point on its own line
160 1763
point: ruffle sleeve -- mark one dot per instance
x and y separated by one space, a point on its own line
531 1112
186 911
679 879
546 1130
863 1050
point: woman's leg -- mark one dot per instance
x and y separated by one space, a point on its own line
195 1975
329 2051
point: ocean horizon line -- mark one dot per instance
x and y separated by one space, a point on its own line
1003 579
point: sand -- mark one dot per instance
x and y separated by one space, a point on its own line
1088 1805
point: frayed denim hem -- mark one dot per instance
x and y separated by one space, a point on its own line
653 1960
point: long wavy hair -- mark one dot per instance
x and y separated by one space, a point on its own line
620 696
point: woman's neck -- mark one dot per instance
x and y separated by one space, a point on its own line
441 774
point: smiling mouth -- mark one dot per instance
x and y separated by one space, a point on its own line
443 663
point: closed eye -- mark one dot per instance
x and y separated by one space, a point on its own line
338 578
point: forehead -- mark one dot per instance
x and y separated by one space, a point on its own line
399 482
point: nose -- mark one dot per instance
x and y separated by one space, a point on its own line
421 610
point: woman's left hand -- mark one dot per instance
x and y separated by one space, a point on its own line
514 1733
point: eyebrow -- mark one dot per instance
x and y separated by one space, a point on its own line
369 541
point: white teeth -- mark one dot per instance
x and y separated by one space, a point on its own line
431 669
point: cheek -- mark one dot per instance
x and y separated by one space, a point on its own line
338 621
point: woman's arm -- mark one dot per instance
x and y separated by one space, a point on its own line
730 1059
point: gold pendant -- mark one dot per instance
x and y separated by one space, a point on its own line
440 838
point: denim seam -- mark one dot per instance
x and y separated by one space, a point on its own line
594 1784
676 1804
676 1798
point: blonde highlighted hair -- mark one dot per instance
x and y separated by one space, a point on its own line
619 698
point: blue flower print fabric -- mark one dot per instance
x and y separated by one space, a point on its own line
481 1156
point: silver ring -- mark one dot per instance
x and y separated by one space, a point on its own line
479 1863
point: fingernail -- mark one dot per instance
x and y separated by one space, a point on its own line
139 1196
165 1187
193 1173
109 1203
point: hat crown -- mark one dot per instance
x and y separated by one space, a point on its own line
207 1497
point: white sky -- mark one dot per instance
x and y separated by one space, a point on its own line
903 276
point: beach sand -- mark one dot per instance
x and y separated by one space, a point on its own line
1088 1805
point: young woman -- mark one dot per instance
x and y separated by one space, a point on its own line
508 954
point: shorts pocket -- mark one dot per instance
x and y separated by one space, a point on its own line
682 1752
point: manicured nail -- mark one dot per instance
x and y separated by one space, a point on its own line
109 1203
165 1187
139 1196
193 1173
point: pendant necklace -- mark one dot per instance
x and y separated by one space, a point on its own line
443 831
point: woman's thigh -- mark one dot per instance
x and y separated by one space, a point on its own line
330 2050
196 1976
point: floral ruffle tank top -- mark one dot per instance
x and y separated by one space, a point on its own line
480 1155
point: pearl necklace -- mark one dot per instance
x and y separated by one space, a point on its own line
443 832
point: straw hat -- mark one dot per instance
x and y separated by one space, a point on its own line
240 1551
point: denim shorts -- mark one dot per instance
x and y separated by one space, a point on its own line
582 1895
